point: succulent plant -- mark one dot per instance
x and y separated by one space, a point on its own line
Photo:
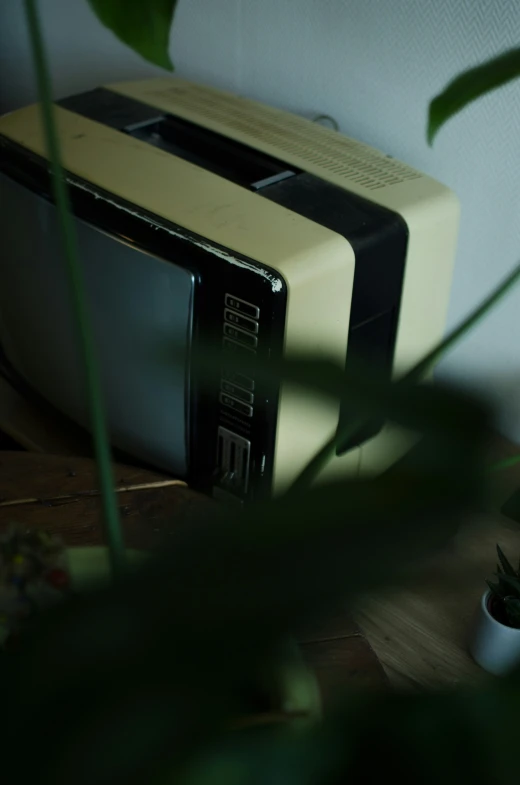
507 589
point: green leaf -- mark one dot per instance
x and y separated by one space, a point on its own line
513 583
505 589
506 566
144 25
448 414
513 610
495 588
469 86
196 623
269 756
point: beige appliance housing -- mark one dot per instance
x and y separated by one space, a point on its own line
202 215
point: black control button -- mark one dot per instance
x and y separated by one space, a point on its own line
241 305
237 348
232 389
238 378
237 406
241 321
240 335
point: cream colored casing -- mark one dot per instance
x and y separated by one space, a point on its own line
316 264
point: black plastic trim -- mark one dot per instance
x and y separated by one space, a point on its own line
214 278
379 238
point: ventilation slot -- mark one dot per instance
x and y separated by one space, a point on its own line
345 158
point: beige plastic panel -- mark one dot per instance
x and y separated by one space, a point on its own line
330 155
316 264
427 281
319 325
179 191
311 147
430 210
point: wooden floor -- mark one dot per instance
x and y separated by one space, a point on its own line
421 633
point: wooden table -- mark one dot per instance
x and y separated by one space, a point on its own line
421 632
60 494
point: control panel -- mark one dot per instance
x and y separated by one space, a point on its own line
233 458
240 335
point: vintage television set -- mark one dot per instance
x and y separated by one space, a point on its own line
202 214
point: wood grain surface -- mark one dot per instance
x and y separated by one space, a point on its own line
342 664
421 633
149 515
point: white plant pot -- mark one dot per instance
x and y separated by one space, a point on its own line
495 647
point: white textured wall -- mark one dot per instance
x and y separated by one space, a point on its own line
373 65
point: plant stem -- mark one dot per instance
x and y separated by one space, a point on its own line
433 357
77 289
323 456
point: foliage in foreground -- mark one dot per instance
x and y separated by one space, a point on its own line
141 682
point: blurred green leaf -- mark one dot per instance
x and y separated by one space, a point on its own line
414 405
272 756
450 737
469 86
506 463
197 622
144 25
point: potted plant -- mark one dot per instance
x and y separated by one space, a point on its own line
496 642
